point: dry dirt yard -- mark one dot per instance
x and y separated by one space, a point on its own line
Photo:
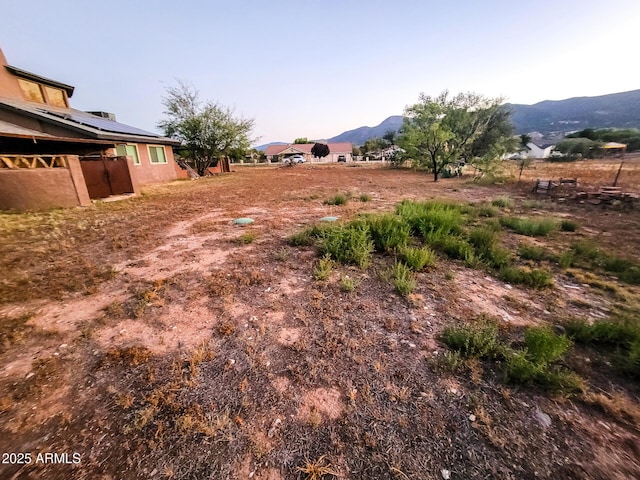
152 338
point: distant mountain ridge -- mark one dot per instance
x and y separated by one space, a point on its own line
552 118
616 110
360 135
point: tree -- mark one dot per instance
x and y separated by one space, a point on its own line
320 150
207 131
301 140
444 130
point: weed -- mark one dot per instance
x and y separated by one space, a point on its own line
530 227
246 238
521 370
365 197
281 254
427 217
486 211
403 279
338 199
568 226
300 239
317 469
532 252
502 202
544 346
418 258
478 339
348 244
324 267
347 284
388 231
486 243
537 278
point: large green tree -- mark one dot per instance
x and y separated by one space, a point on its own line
443 130
207 131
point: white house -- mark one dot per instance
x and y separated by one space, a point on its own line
336 151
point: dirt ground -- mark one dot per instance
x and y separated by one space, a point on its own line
154 338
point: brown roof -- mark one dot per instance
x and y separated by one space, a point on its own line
342 147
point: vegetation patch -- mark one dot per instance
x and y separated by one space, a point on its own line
531 277
339 199
530 227
417 259
403 279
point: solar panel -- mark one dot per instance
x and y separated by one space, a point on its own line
103 124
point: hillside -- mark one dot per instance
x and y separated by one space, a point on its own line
360 135
617 110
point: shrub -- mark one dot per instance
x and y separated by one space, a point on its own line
520 370
365 197
544 346
478 339
568 226
403 279
388 232
347 244
299 239
486 211
530 227
347 284
532 252
323 268
426 217
339 199
485 241
502 202
535 278
418 258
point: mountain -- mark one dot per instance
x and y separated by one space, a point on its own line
616 110
360 135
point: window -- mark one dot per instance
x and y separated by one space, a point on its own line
55 97
156 154
31 91
129 151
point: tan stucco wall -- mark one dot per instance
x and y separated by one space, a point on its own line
147 173
9 86
43 188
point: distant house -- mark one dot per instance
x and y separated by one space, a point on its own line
52 155
336 150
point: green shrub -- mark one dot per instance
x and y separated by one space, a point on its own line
479 339
485 241
502 202
426 217
535 278
544 346
323 268
339 199
388 232
418 258
568 226
567 259
530 227
486 211
365 197
349 244
403 279
347 284
520 370
532 252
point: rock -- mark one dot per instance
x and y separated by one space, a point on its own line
543 419
446 474
472 418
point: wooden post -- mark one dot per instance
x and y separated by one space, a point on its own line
615 182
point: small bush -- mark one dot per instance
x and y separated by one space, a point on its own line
365 197
535 278
427 217
246 238
502 202
530 227
567 259
347 284
300 239
568 226
486 211
520 370
486 243
403 279
478 339
323 268
339 199
418 258
544 346
388 232
350 244
532 252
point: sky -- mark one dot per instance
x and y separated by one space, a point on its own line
315 68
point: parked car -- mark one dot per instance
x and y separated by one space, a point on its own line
342 158
295 159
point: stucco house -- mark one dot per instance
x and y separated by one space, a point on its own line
52 155
336 150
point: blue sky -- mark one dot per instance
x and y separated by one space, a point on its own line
318 67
